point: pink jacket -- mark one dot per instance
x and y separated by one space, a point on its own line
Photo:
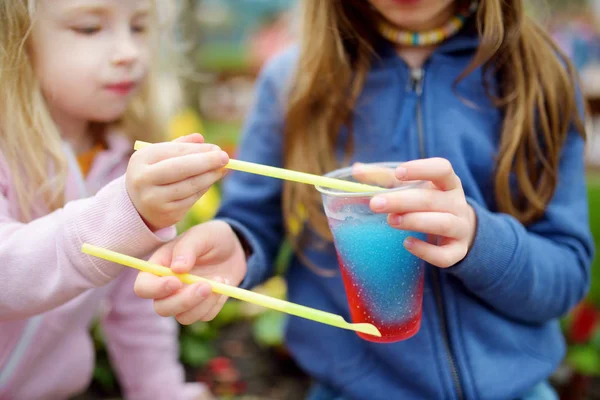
50 292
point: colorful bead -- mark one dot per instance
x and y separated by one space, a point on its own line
429 38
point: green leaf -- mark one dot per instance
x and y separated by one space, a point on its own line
98 336
186 223
103 374
593 189
228 314
198 329
284 257
595 341
194 352
584 359
268 328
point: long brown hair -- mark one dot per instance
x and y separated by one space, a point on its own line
537 100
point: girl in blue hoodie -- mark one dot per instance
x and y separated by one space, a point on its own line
486 106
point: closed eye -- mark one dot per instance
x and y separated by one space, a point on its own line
87 30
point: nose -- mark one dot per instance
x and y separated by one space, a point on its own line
126 51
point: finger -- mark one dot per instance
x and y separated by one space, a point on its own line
433 223
413 200
162 151
190 186
149 286
177 169
205 311
437 170
440 256
184 300
374 175
162 256
191 138
199 312
212 313
194 244
177 208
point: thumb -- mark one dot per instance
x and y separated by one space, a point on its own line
192 245
374 175
163 255
192 138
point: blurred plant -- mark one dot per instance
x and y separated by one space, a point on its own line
582 331
104 376
197 340
185 122
582 326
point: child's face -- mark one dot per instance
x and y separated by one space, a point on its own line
90 56
416 15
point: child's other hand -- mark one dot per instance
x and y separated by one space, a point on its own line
211 250
164 180
437 209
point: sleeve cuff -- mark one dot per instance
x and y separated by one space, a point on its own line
256 263
110 220
492 252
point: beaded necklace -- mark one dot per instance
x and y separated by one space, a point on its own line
427 38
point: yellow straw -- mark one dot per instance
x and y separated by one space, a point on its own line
295 176
232 291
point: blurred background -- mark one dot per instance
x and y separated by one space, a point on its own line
225 42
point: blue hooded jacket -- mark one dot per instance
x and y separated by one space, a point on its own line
490 323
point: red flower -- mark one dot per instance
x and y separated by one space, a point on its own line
585 319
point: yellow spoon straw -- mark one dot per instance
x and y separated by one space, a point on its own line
232 291
290 175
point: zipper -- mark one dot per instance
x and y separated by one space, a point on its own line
417 76
408 109
445 335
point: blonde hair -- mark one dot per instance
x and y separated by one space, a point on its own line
29 139
537 99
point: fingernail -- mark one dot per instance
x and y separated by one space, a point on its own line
179 261
227 281
215 147
395 219
409 243
224 158
400 172
379 202
170 286
203 291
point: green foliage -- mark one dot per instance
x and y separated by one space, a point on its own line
104 375
268 329
584 360
594 201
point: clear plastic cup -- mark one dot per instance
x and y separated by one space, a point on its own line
383 281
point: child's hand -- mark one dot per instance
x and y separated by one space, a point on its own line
438 209
211 250
165 179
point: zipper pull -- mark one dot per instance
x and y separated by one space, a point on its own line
416 80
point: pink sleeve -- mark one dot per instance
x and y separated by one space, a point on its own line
143 347
42 263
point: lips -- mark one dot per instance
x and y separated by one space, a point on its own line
406 2
121 88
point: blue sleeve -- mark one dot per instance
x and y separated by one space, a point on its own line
252 203
539 272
